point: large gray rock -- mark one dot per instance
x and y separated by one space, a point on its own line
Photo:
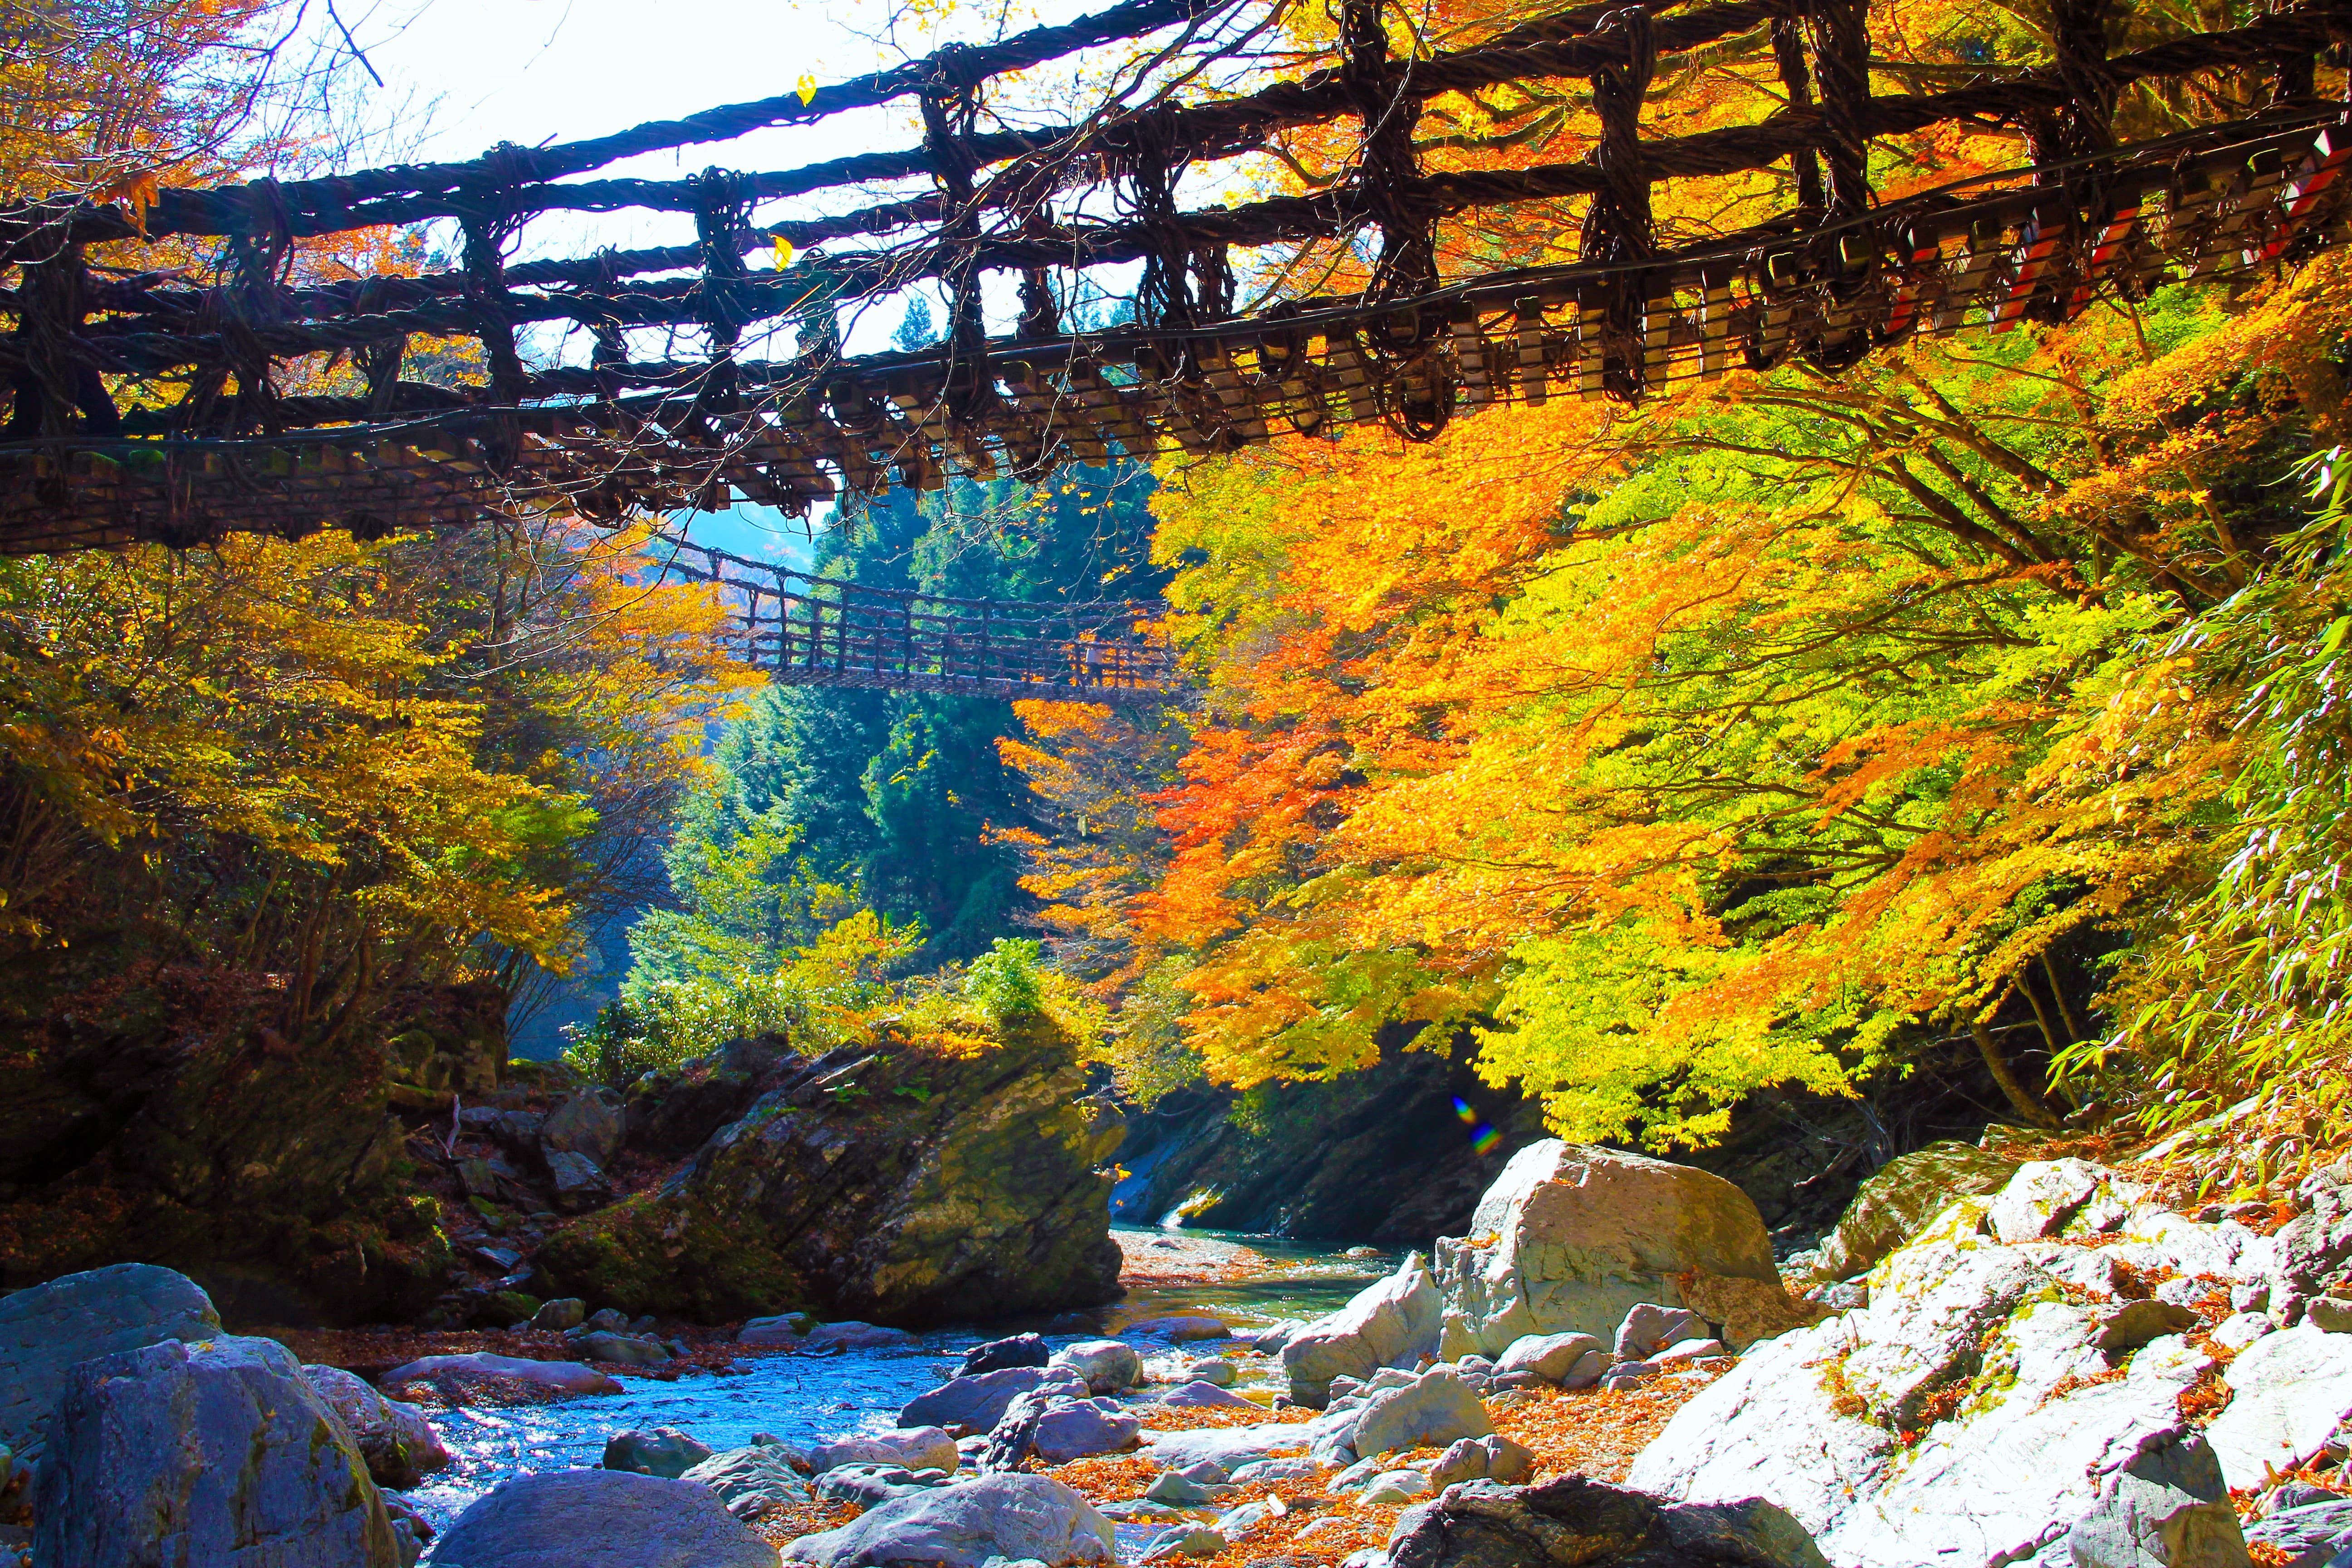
1577 1523
2289 1393
2164 1506
565 1376
1229 1446
788 1331
2049 1197
1430 1412
916 1448
396 1439
1209 1369
1182 1329
665 1451
871 1485
1074 1429
2312 1253
1049 1422
557 1316
1031 1517
578 1182
1488 1458
751 1482
1553 1358
1973 1415
893 1182
1572 1237
46 1331
599 1519
1392 1323
616 1349
1649 1327
1185 1540
1200 1394
1107 1365
587 1122
673 1110
977 1402
852 1334
2307 1537
216 1454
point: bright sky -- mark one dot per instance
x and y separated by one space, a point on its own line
531 72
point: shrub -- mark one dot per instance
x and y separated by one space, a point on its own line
1007 980
819 998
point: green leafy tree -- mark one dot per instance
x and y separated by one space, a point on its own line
744 902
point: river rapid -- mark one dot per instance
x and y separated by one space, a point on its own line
808 1399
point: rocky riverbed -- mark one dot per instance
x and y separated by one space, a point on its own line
725 1394
2070 1364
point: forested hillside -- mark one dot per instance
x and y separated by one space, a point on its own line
902 796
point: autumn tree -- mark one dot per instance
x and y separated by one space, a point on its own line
1796 728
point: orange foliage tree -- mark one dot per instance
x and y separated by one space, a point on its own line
1782 730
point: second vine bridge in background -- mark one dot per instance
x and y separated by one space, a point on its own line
804 630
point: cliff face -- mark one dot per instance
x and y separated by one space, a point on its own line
1383 1155
177 1126
1377 1156
905 1184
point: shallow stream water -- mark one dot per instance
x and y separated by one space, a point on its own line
807 1399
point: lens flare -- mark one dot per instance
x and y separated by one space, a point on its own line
1483 1137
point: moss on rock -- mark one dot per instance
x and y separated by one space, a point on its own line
267 1167
902 1182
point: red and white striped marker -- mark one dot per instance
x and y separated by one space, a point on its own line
2102 254
2040 247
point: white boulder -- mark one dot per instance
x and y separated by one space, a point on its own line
1392 1323
2289 1392
1014 1517
1430 1412
2047 1197
1991 1404
1572 1237
916 1448
1107 1365
1554 1358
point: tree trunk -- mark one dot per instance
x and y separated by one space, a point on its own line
2026 1102
2065 1012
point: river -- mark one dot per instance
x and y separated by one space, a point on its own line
806 1399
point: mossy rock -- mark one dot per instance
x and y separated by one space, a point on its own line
907 1182
1906 1193
506 1309
536 1077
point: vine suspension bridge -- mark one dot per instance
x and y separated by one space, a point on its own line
215 442
806 630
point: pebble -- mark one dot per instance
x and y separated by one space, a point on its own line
1397 1486
1191 1540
